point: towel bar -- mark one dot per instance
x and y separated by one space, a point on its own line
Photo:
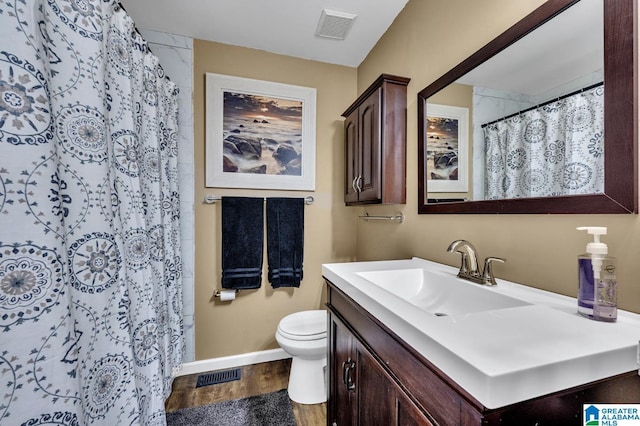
210 199
398 217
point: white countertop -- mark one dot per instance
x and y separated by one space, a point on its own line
500 356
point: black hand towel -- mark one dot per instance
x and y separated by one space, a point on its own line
242 242
285 241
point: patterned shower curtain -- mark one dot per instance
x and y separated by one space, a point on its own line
90 268
556 149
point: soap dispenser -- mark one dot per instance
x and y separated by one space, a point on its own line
597 286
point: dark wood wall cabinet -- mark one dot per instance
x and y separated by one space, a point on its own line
376 144
375 378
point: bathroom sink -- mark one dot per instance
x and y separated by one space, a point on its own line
439 293
503 344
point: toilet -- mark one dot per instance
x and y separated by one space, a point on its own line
303 335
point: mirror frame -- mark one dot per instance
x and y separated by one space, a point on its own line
620 117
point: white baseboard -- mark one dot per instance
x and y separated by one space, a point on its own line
232 361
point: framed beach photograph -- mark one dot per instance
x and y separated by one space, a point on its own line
447 134
259 134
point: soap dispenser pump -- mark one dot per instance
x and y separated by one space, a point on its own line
597 286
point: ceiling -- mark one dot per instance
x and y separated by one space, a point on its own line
288 27
285 27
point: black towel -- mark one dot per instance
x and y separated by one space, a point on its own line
242 242
285 241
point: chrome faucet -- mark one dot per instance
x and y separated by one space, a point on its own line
469 269
469 265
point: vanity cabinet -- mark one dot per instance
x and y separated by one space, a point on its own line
365 394
375 143
375 378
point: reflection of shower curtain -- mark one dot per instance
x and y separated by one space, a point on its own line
556 149
90 293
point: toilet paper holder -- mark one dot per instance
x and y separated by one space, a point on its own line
217 292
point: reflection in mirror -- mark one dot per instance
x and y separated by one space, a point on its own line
535 101
556 148
537 120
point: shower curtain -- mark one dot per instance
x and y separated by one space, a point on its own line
90 268
556 149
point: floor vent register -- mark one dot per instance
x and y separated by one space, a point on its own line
218 377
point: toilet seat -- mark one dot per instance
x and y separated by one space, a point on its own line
304 325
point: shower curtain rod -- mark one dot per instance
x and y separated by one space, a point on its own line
544 103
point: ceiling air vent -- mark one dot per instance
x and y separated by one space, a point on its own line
335 24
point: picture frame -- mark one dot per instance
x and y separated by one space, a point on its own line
259 134
446 150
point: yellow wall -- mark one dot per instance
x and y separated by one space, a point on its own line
428 38
248 324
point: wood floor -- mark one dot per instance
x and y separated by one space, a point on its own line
255 379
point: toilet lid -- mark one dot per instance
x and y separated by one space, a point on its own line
304 325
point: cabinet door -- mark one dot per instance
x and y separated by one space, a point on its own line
361 392
376 393
352 156
342 395
380 400
370 138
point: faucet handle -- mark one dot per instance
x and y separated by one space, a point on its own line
487 275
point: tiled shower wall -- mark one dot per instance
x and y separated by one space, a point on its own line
176 57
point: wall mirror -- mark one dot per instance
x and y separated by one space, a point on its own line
478 122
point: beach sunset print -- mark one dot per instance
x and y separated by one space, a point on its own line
262 135
442 148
